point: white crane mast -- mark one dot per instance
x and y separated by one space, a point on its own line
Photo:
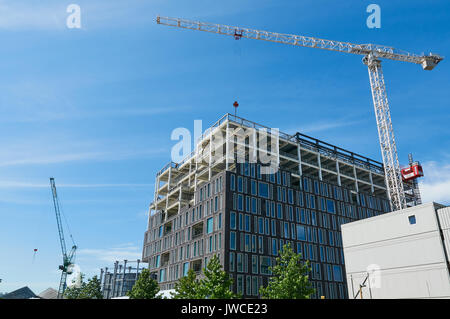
372 54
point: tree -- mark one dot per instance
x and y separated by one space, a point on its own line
290 277
145 287
188 287
89 290
73 292
217 283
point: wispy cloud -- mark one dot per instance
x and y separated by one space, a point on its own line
128 251
435 185
16 14
14 184
325 125
26 153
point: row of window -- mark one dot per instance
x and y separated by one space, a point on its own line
184 235
254 170
210 189
300 232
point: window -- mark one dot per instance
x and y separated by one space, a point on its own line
239 263
254 264
232 261
274 229
255 286
263 189
247 242
232 220
254 205
264 264
260 225
209 225
239 184
233 240
185 269
240 284
337 273
162 275
330 206
240 202
412 219
301 233
253 187
290 196
247 223
274 247
280 211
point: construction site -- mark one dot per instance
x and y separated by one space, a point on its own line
247 189
217 201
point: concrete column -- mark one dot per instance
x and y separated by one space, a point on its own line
299 154
356 179
320 165
113 281
372 189
226 146
137 268
210 155
338 173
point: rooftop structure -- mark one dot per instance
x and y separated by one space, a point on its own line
122 277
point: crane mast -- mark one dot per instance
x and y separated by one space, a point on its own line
372 53
67 259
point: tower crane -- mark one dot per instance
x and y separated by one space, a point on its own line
372 55
68 259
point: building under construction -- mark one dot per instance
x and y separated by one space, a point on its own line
224 200
117 281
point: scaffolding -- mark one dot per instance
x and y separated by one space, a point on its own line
121 279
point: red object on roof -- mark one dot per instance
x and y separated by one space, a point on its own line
412 172
235 104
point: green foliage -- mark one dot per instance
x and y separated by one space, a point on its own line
145 287
89 290
188 287
215 284
290 277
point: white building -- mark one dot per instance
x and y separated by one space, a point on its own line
403 254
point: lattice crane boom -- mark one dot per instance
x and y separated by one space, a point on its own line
372 54
381 51
67 259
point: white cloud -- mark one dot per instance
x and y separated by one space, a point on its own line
15 14
128 251
25 153
15 184
435 185
325 125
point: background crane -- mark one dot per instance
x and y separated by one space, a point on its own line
372 53
68 259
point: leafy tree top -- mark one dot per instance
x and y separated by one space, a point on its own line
145 287
290 277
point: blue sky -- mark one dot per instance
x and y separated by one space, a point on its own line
94 107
